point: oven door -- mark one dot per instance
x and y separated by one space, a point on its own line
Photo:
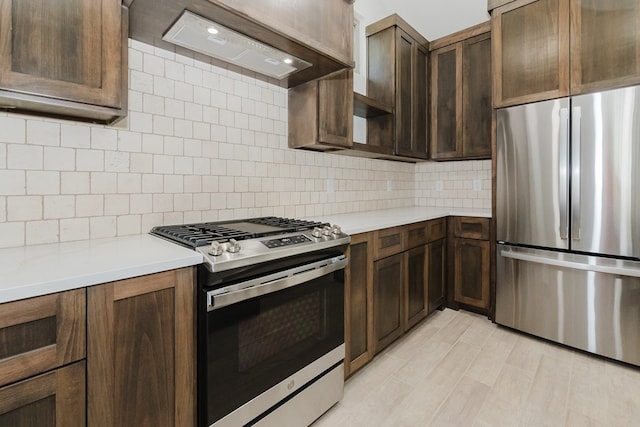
265 339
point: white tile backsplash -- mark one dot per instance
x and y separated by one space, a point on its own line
456 179
200 143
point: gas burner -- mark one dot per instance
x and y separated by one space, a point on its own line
202 234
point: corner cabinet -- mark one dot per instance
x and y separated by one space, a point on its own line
461 95
395 278
398 75
64 58
141 351
545 49
42 361
470 264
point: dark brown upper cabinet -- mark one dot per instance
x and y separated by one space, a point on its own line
461 95
64 58
319 32
321 113
545 49
398 75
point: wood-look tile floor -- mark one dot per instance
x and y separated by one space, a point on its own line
458 369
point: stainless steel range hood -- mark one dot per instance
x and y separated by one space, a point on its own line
210 38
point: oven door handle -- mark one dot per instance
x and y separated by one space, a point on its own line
285 279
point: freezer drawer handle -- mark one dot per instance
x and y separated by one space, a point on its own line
620 271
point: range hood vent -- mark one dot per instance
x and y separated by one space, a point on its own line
210 38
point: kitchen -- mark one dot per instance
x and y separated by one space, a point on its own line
203 143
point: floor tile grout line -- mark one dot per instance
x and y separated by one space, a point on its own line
459 379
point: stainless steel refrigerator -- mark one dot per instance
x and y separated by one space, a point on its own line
568 221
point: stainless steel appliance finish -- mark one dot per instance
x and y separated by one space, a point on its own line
532 184
270 316
606 173
254 251
317 398
239 292
310 404
586 302
568 221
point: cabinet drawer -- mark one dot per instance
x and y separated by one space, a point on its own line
436 229
389 241
471 228
39 334
416 234
57 396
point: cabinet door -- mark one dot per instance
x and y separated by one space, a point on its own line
404 93
54 399
415 297
605 44
141 351
476 90
335 109
359 303
65 49
420 119
381 81
446 102
388 284
39 334
531 51
437 275
471 275
321 113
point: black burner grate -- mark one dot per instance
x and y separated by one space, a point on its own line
201 234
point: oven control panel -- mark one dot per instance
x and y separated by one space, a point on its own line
285 241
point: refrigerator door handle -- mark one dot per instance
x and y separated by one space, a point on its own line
619 271
563 180
576 140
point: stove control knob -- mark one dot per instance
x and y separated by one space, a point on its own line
326 231
216 249
316 232
233 246
336 229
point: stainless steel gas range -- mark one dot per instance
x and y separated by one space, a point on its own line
270 303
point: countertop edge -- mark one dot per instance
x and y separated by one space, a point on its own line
87 280
363 222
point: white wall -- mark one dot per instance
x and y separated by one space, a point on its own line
437 18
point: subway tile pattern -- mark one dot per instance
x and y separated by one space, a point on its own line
200 143
461 184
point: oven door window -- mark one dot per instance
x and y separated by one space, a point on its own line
255 344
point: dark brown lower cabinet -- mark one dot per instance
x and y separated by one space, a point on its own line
54 399
359 303
395 278
470 264
388 299
437 256
416 286
141 351
471 271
